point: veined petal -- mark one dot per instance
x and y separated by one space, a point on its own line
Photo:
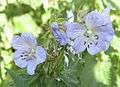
19 58
106 32
74 29
25 41
29 39
18 43
95 19
79 45
40 55
108 36
95 48
104 28
31 66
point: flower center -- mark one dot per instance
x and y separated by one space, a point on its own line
28 55
89 31
91 37
32 53
88 34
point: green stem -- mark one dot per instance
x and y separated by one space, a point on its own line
58 62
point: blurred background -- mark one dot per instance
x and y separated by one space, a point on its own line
35 16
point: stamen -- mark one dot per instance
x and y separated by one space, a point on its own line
89 31
96 43
26 55
28 59
21 55
87 36
88 46
84 42
90 43
23 58
96 37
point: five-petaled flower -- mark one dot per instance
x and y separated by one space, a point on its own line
27 53
94 35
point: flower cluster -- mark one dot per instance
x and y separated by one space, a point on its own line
94 34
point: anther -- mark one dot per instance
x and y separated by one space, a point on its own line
88 46
21 55
96 43
96 37
87 36
90 43
84 42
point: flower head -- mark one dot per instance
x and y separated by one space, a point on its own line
27 53
95 34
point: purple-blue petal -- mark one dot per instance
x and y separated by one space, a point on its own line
61 38
29 38
19 60
25 41
96 48
106 32
95 19
31 66
74 29
40 55
79 45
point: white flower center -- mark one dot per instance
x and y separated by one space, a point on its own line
28 55
91 37
32 53
89 31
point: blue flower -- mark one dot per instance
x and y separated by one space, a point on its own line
27 53
61 37
94 35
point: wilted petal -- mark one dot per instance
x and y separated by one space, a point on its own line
61 38
19 58
64 39
74 29
40 55
79 45
31 67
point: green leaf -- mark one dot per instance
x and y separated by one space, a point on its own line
18 80
96 73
